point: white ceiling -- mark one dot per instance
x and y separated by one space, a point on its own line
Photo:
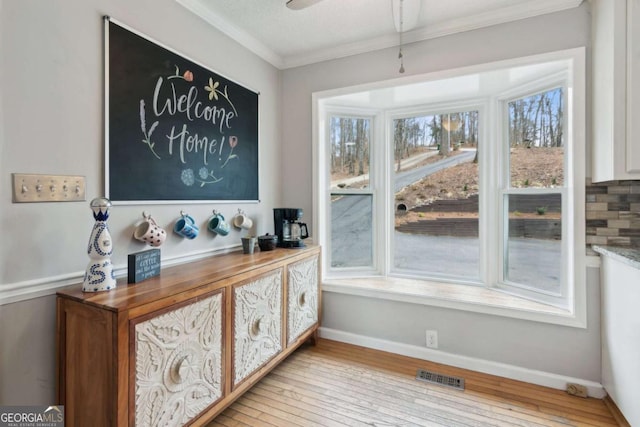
337 28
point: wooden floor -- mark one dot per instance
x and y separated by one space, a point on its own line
336 384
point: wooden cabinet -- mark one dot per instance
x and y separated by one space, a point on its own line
302 297
257 324
178 362
179 348
616 89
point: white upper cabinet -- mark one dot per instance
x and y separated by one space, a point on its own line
616 89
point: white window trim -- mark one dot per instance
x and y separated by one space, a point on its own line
573 315
374 183
504 189
478 104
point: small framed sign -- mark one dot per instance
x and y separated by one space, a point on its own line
143 265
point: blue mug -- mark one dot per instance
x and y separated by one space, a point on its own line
218 225
186 227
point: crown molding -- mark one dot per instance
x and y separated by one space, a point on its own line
235 33
494 17
486 19
341 51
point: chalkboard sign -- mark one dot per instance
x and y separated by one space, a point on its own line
143 265
175 130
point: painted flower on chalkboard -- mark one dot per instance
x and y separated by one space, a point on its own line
233 141
187 177
206 176
212 89
187 75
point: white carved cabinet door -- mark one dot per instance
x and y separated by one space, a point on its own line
257 336
302 297
179 363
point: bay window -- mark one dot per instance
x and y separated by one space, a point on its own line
469 178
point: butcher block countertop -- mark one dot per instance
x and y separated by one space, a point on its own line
180 278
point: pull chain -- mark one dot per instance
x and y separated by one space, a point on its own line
400 56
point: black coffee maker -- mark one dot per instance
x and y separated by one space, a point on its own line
289 229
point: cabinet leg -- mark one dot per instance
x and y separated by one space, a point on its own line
313 339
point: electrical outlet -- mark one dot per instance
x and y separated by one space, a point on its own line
432 339
577 390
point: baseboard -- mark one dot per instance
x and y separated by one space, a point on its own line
615 411
30 289
541 378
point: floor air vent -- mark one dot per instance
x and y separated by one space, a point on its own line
445 380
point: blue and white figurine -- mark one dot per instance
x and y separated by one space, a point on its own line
99 275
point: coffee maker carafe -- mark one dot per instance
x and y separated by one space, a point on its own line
289 229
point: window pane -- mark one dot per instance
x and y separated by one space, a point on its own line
536 145
349 157
436 194
533 250
351 230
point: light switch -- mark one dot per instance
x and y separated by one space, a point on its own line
47 188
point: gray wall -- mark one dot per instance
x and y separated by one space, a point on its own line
543 347
27 355
561 350
51 121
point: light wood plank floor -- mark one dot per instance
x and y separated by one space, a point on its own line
336 384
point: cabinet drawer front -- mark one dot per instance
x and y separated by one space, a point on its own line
178 363
302 297
257 335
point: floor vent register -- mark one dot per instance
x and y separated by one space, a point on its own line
444 380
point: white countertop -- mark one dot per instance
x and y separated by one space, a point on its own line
629 256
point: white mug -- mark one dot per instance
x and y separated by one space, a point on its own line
241 220
149 232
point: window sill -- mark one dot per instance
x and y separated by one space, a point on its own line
460 297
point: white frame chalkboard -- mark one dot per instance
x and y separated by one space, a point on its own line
175 131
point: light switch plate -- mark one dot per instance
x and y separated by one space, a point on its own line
30 188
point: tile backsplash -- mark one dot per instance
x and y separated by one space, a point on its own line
613 213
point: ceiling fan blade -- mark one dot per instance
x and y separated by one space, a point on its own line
300 4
